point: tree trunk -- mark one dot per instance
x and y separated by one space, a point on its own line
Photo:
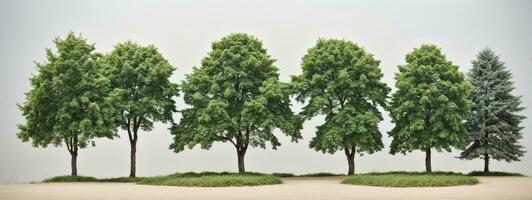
350 155
241 154
133 158
133 136
74 163
428 166
486 163
72 147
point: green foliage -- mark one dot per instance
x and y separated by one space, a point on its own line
68 100
343 82
212 179
493 125
235 96
494 173
71 179
400 179
430 103
142 91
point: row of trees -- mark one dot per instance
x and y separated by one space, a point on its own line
235 96
78 95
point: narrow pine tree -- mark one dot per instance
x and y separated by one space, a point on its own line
494 121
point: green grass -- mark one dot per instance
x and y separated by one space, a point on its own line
411 179
212 179
191 179
122 179
319 174
283 175
92 179
71 179
413 173
494 173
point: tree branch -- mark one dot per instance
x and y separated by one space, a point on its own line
129 130
67 145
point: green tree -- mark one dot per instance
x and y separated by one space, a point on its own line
493 125
67 103
430 104
343 82
235 96
142 92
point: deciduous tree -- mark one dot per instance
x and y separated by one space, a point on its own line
67 103
430 104
142 92
343 82
235 96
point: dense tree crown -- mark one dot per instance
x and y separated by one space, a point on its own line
235 96
67 103
343 82
493 125
142 92
430 104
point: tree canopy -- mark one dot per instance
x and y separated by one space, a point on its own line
430 104
235 96
494 123
343 82
142 92
68 101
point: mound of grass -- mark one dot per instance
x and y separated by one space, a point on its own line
414 173
71 179
283 175
320 174
495 173
121 179
411 179
212 179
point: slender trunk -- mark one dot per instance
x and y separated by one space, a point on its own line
133 136
486 156
133 158
486 163
74 163
350 155
428 166
72 147
241 154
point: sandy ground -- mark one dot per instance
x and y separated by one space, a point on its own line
293 188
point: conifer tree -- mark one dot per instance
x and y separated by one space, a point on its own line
493 125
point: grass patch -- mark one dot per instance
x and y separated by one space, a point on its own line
71 179
92 179
319 174
121 179
411 179
212 179
494 173
414 173
283 175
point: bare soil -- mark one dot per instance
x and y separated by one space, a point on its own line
298 188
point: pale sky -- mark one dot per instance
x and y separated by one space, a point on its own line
183 32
